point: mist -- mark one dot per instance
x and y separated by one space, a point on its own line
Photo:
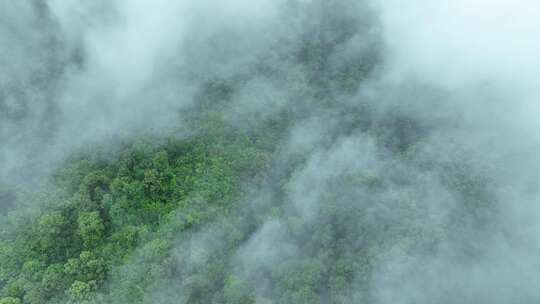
404 168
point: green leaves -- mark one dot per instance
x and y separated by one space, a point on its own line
90 228
10 300
51 224
54 279
81 291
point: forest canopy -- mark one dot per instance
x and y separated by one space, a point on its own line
258 152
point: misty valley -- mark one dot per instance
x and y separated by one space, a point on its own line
269 151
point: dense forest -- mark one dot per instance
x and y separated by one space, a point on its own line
294 169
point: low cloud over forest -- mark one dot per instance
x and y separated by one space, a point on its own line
269 151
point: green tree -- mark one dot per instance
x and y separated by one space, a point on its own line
10 300
91 228
81 291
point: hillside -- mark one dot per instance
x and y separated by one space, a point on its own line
257 152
